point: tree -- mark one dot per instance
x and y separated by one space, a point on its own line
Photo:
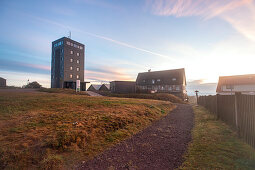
33 85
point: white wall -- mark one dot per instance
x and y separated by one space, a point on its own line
240 88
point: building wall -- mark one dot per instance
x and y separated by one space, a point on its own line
239 88
61 62
2 82
122 87
67 61
177 90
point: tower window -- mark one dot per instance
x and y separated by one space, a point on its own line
71 76
71 68
71 60
71 52
78 69
78 61
78 54
81 47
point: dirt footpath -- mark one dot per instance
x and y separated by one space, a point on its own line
160 146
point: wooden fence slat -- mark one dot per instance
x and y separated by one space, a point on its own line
224 107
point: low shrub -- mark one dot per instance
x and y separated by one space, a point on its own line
52 162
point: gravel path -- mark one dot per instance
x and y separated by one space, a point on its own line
160 146
91 93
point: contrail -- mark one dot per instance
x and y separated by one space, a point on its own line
102 37
127 45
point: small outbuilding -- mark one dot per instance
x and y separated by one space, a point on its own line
94 87
2 82
122 86
104 87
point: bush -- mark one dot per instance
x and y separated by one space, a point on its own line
52 162
33 85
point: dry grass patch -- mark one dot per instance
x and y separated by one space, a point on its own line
51 130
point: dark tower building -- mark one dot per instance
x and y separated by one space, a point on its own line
67 63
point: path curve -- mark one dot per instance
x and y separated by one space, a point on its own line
160 146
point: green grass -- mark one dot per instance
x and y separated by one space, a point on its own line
216 146
58 131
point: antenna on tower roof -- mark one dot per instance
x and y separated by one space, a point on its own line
69 36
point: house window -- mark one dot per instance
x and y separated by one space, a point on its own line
71 44
81 47
170 88
177 88
78 54
71 60
77 76
71 52
78 69
78 61
144 81
174 79
158 80
71 68
153 81
71 76
68 43
229 87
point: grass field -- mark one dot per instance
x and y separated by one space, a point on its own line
154 96
216 146
50 130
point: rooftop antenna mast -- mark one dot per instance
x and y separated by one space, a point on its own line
69 36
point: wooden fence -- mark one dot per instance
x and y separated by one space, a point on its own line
236 110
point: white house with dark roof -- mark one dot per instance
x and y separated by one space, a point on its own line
166 81
228 85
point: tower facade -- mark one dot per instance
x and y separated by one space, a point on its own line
67 63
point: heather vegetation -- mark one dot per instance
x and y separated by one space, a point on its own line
57 131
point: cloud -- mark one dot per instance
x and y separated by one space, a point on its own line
239 13
106 74
10 65
203 88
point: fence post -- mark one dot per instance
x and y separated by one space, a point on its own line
217 110
237 97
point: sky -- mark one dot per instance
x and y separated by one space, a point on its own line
124 37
